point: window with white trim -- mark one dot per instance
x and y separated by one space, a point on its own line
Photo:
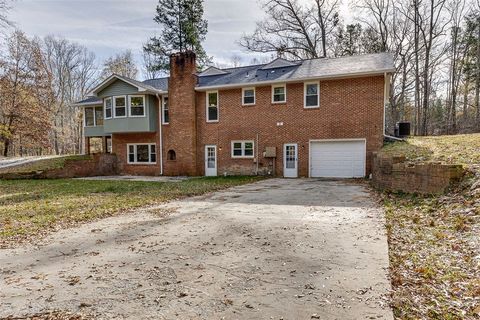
212 106
242 149
312 95
142 153
165 114
120 107
93 116
279 93
108 108
248 96
137 106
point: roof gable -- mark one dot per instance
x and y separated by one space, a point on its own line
279 63
141 87
212 71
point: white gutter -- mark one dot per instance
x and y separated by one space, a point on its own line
160 132
343 75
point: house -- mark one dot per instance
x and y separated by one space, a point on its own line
310 118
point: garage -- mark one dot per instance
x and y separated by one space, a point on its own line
337 158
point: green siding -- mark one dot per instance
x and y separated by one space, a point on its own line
135 124
118 88
128 124
94 131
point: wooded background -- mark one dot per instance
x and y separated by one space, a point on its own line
435 44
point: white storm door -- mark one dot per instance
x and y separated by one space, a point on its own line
290 160
211 161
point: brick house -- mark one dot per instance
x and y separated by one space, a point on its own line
310 118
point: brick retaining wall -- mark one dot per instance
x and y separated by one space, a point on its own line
97 165
395 174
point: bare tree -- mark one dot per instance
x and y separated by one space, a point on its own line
122 64
4 8
293 30
73 71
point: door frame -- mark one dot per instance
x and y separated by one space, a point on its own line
285 159
333 140
206 160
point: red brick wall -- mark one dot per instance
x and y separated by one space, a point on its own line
119 147
180 134
349 108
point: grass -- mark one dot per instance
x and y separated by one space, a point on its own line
32 208
459 149
43 165
434 241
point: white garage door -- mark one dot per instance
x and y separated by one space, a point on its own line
337 159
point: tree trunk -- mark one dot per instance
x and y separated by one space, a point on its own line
6 147
477 79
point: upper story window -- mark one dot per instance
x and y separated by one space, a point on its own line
165 115
137 106
312 94
120 107
212 106
248 96
108 108
93 116
142 153
242 149
279 93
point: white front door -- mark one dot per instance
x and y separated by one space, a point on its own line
290 160
211 161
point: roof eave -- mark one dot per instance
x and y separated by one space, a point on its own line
86 104
337 76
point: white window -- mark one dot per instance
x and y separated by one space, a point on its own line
93 116
165 115
137 106
120 107
108 108
312 95
242 149
212 106
248 96
141 154
279 93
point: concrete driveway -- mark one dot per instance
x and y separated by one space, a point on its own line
277 249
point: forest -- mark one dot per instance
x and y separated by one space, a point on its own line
435 44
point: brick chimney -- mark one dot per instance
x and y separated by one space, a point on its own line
180 134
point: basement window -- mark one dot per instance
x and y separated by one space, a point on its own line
242 149
212 106
142 154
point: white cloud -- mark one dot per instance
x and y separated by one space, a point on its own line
109 26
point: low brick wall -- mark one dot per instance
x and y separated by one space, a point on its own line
97 165
396 174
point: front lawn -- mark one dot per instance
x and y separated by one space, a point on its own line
32 208
434 241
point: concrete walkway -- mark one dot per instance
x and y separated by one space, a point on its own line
277 249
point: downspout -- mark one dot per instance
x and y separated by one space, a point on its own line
160 111
385 103
256 169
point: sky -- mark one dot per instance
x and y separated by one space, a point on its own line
107 27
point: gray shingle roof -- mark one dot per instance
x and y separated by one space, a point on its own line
305 69
160 83
89 101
